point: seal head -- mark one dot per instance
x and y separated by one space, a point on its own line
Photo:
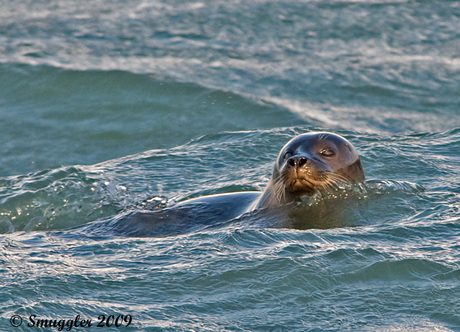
309 163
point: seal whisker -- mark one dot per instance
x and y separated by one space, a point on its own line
333 180
337 177
279 186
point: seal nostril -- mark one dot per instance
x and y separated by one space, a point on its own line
302 161
297 161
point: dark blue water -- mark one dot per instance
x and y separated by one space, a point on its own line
107 104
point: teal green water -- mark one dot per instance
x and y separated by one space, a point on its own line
106 104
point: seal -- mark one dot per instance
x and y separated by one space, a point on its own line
309 163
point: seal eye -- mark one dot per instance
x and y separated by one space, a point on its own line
288 155
327 152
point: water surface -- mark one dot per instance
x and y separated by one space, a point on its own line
106 104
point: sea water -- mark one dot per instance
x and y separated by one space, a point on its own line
106 104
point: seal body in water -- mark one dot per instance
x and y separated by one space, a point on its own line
307 164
